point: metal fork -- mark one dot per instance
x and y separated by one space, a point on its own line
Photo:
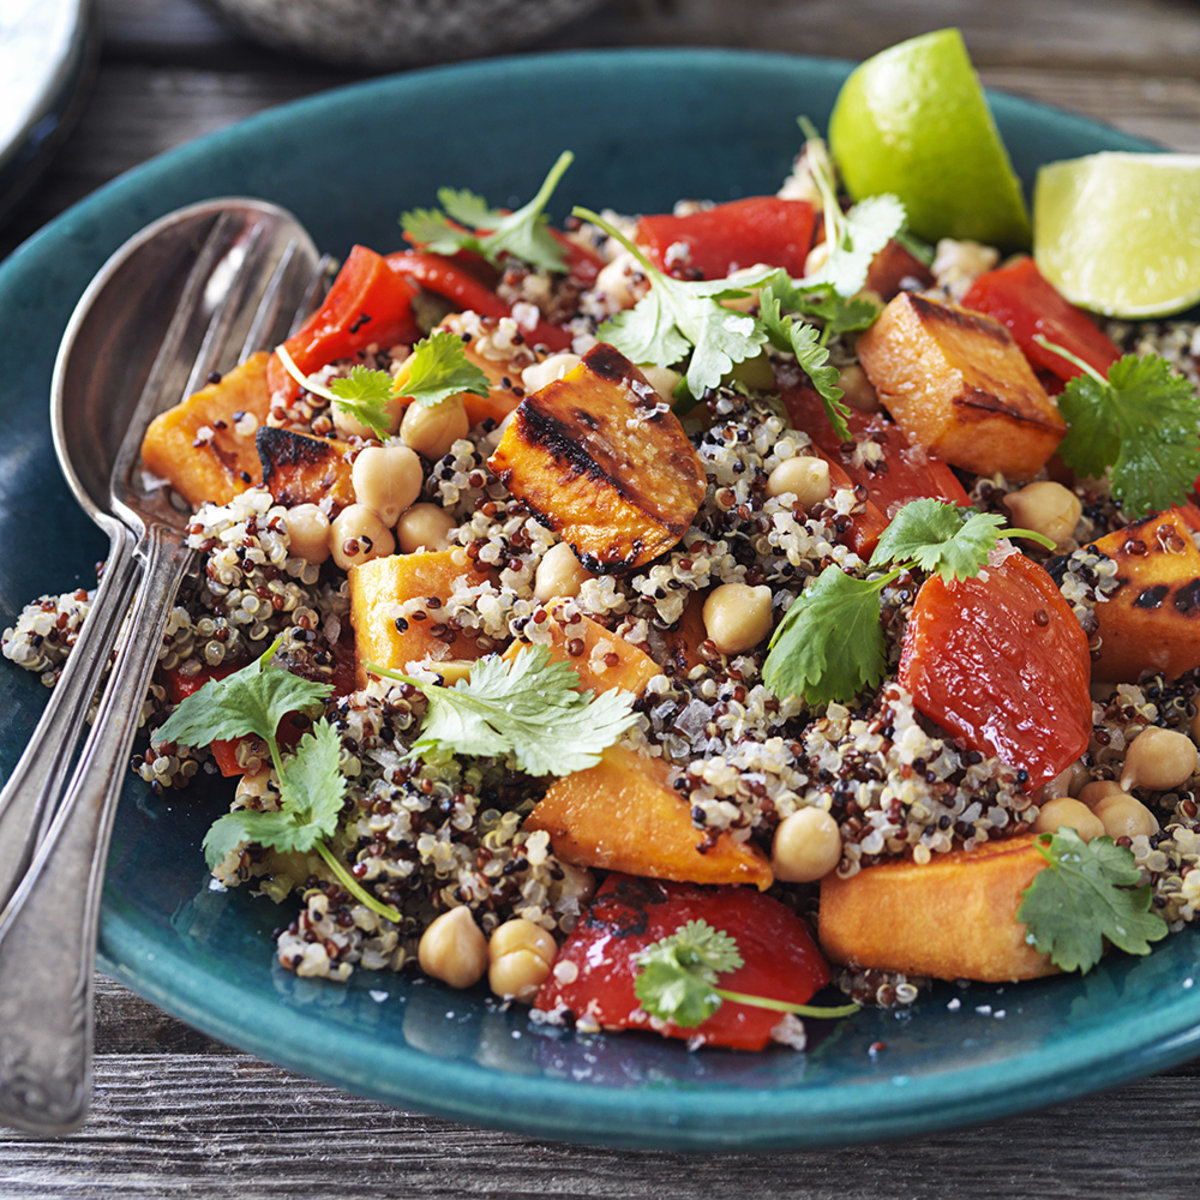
247 289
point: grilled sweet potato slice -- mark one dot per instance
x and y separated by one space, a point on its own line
624 815
601 659
1152 621
598 457
382 635
957 384
952 918
205 445
304 470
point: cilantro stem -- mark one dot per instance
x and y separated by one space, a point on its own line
305 381
355 888
535 206
1073 359
785 1006
594 218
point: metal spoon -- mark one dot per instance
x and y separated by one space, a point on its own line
206 286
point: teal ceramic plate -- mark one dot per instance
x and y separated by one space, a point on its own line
646 127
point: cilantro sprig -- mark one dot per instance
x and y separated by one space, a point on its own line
676 979
528 706
437 369
311 786
679 319
1141 423
830 645
853 237
469 223
1090 892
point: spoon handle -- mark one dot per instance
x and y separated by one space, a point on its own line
31 796
48 929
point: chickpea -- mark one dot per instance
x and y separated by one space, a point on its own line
521 954
858 390
453 949
818 256
1092 794
431 429
349 425
1072 813
559 573
663 380
357 535
1067 782
424 526
308 533
737 617
805 478
1125 816
1047 508
618 281
807 846
540 374
387 479
1159 759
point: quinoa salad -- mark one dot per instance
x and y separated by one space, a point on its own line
541 481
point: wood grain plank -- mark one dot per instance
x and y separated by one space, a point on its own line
230 1126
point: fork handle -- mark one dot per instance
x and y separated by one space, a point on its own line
48 929
31 795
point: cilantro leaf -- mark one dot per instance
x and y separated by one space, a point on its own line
364 394
854 237
469 223
811 353
676 978
312 789
1089 893
250 701
830 644
438 368
1142 422
528 706
939 538
677 974
678 315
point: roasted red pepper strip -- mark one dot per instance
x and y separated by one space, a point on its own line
742 233
447 278
367 304
1018 296
904 472
583 264
628 914
1001 662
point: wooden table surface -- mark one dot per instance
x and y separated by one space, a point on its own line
177 1113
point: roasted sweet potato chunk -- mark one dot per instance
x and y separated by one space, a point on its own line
304 470
624 815
953 918
389 639
205 445
601 659
1151 622
598 457
957 384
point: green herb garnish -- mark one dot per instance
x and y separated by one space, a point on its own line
676 979
469 223
830 645
854 237
311 786
678 318
437 369
1142 422
528 706
1090 892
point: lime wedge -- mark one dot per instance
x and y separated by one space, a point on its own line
1120 233
913 121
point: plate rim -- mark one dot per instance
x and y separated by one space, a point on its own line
540 1105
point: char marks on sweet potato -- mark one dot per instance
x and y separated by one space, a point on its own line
600 458
298 469
958 385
